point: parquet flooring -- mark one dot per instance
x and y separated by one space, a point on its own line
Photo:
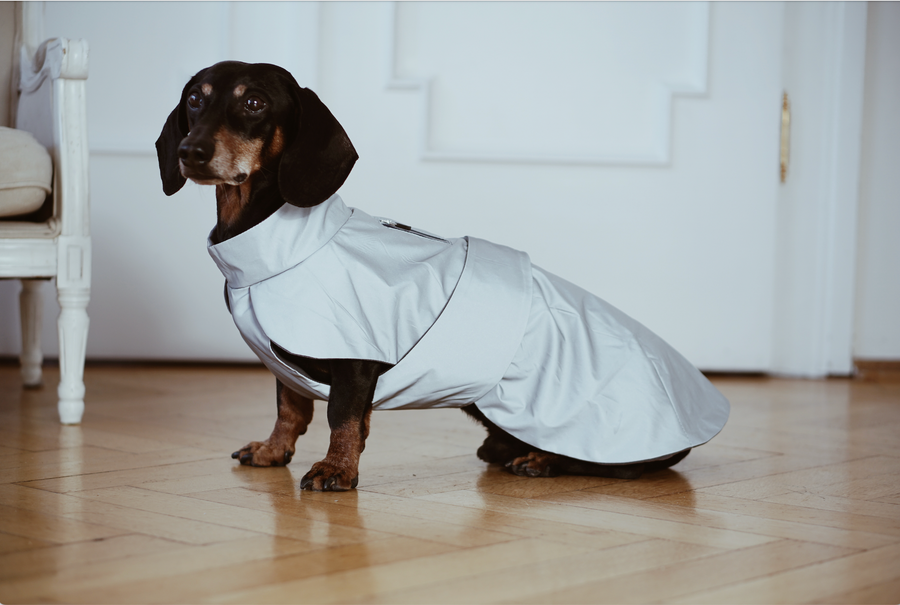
797 500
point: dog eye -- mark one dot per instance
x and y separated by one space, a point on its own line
254 104
195 101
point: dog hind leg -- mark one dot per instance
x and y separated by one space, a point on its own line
525 460
499 447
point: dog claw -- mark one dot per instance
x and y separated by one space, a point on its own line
236 455
287 457
329 485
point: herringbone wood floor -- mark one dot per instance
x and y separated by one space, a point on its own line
798 500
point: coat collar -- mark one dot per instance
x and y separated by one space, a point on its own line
280 242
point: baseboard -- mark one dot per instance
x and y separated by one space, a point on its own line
886 370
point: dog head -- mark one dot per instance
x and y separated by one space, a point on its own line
237 119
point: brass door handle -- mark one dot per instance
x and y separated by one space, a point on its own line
785 136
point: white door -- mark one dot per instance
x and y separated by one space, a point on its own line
631 148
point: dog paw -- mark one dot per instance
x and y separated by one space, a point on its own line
327 477
535 464
262 453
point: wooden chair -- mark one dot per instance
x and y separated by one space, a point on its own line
51 106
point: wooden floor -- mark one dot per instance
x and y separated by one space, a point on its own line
798 500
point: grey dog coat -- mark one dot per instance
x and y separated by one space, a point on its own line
462 321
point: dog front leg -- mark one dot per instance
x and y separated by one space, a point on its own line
294 414
349 408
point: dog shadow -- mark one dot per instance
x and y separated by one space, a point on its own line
666 482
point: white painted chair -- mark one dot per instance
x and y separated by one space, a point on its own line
51 106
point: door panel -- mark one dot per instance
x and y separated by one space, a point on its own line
571 82
679 234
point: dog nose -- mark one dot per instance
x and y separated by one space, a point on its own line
196 153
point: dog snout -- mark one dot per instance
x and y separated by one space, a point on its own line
196 153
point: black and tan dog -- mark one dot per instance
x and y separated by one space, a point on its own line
263 141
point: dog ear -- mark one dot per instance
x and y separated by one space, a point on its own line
319 158
173 132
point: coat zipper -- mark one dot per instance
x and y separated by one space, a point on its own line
401 227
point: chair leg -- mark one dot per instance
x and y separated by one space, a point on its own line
31 312
73 329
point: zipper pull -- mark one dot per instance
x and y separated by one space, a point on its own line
395 225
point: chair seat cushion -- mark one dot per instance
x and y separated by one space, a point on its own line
26 171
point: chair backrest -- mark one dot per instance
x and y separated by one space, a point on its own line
50 104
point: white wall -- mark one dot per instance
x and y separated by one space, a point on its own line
145 242
155 292
878 267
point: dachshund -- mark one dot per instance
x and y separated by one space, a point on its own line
263 141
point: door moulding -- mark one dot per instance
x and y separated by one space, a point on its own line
824 65
660 155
